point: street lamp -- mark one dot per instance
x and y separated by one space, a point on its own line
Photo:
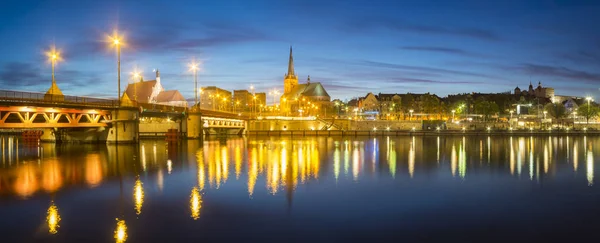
453 111
194 69
54 57
117 42
411 112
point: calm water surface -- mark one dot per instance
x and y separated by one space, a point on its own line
313 189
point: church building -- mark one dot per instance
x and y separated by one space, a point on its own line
152 92
305 99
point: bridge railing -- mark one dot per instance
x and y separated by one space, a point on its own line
21 96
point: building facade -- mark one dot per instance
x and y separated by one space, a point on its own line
309 98
242 100
539 91
152 92
215 98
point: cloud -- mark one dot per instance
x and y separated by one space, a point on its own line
429 81
444 50
581 57
20 74
405 26
422 69
564 72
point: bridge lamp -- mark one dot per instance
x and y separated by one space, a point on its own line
117 42
194 68
54 57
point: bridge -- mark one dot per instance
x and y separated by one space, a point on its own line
85 118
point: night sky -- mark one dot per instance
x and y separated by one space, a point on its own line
352 47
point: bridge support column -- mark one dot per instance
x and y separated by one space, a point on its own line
48 135
194 125
125 126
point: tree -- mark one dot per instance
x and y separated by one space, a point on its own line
556 110
588 111
407 103
431 104
486 108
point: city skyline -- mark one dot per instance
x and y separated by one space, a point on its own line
395 48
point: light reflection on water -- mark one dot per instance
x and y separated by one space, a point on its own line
278 166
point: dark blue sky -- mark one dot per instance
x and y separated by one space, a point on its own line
352 47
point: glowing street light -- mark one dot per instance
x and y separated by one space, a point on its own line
588 107
194 69
53 56
118 42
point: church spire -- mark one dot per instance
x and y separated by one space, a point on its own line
290 72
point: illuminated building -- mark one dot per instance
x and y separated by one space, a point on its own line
309 98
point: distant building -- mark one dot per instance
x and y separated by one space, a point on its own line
309 98
540 92
242 100
215 98
152 92
369 103
261 100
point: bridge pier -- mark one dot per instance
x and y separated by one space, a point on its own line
48 135
125 126
195 127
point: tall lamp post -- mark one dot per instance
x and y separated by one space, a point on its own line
117 42
54 57
587 116
194 69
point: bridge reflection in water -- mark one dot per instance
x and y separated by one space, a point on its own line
269 166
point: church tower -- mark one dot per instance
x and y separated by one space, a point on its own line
290 80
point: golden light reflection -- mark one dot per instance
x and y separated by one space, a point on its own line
546 159
336 162
512 157
346 157
120 234
138 196
392 159
26 182
590 167
93 170
200 166
453 161
169 166
252 171
51 175
355 162
195 203
462 160
575 156
238 161
411 158
53 218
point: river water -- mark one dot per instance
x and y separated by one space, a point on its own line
308 189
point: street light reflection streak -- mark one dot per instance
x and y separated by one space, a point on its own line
195 203
138 196
53 218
